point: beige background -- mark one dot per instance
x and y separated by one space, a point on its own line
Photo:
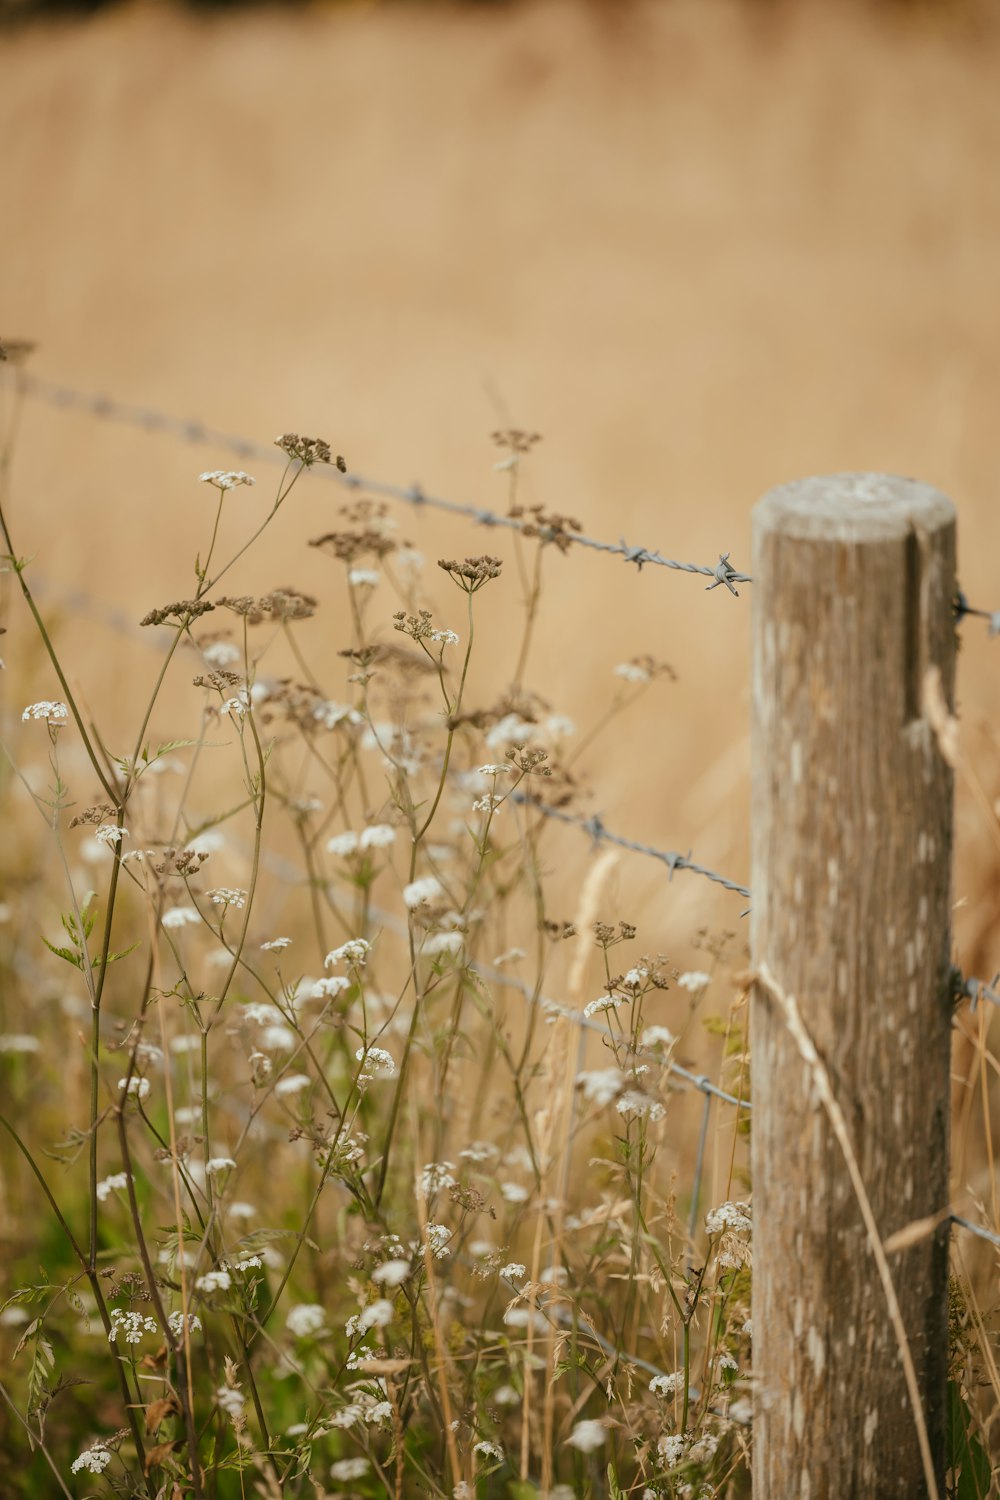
704 248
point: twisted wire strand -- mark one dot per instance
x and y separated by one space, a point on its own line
150 419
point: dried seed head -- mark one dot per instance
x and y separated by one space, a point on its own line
183 611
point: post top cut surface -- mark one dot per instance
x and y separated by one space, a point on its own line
852 507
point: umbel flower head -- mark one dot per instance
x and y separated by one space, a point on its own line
472 572
308 450
226 479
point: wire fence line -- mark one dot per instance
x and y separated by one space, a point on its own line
150 419
67 398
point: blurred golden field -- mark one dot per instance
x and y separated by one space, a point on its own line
702 247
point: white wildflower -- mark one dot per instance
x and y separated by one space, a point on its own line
115 1183
353 953
95 1460
694 981
489 1450
427 888
670 1449
378 836
220 654
392 1273
226 479
110 834
443 942
632 1102
632 671
509 956
180 916
19 1041
247 1262
230 1400
602 1003
278 1038
437 1175
241 1210
347 1416
219 1164
500 770
658 1036
214 1281
506 1395
363 577
487 804
513 1192
176 1323
349 1468
327 989
380 1412
515 1271
293 1083
53 713
377 1063
130 1325
305 1319
210 841
588 1436
602 1085
727 1364
734 1217
276 945
666 1385
445 637
342 844
437 1239
138 1088
226 896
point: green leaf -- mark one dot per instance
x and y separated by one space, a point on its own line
967 1458
114 957
613 1490
64 953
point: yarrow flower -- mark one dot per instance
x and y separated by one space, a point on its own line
226 479
53 713
95 1460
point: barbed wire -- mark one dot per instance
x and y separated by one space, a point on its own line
601 835
150 419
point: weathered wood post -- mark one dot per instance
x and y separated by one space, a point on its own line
854 578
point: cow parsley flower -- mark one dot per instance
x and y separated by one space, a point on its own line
138 1088
180 916
214 1281
349 1468
218 1164
734 1217
226 479
116 1182
130 1325
53 713
694 981
353 953
276 945
427 888
110 834
226 896
176 1323
378 836
602 1003
342 844
305 1319
666 1385
392 1273
588 1436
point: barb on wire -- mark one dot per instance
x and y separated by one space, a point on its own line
602 835
148 419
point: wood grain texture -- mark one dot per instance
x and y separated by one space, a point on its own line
854 577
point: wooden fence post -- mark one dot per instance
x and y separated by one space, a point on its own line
854 578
